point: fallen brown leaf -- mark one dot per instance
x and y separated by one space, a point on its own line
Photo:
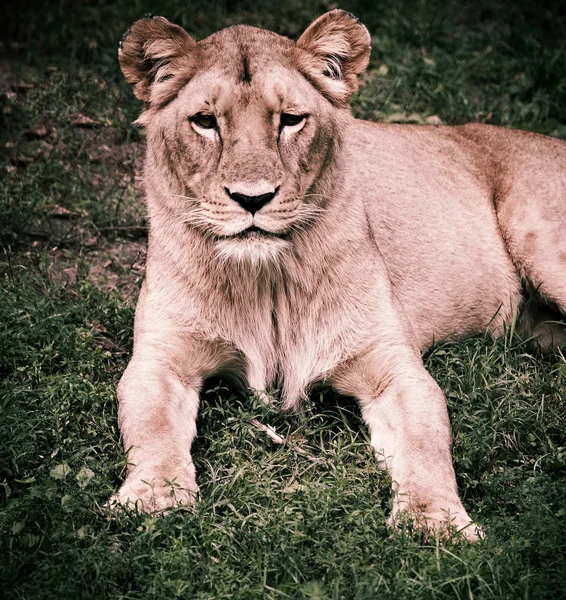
22 87
60 212
39 131
21 160
84 121
91 242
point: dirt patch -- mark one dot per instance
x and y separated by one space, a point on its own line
112 265
77 179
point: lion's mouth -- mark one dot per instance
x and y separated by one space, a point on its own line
252 232
255 233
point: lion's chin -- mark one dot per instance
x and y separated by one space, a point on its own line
253 249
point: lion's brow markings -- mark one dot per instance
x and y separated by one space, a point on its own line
245 75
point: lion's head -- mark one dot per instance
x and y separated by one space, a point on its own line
241 125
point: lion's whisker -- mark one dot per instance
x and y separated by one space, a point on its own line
181 196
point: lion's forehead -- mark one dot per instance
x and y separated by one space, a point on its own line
244 61
273 88
245 50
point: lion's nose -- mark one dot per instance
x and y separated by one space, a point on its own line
252 203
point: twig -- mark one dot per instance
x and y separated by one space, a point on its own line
124 228
130 231
279 439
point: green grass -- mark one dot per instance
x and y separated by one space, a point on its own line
270 523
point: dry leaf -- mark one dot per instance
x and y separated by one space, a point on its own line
84 121
91 242
22 87
39 131
21 160
60 212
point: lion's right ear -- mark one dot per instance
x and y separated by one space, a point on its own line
157 58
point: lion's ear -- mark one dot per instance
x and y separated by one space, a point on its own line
157 58
333 52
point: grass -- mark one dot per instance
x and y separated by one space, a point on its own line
271 523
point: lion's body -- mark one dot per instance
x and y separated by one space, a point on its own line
290 243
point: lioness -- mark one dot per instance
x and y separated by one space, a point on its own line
290 243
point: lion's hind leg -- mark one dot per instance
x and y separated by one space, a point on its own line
532 219
542 266
542 322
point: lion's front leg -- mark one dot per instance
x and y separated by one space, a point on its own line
157 416
410 431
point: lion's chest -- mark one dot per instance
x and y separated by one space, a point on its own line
292 338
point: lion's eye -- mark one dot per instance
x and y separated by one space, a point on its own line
204 120
290 120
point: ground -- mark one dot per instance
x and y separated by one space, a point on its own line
303 519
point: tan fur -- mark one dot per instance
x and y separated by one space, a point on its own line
379 239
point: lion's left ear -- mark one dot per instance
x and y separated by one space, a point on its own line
333 52
157 58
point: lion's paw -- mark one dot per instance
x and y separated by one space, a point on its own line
441 523
156 495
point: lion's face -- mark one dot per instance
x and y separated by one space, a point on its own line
247 151
242 124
